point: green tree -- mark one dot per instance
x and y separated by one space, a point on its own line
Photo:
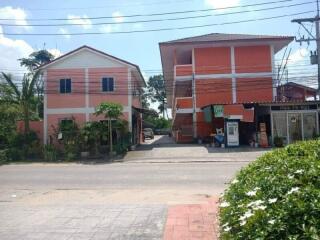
157 93
111 111
36 59
24 96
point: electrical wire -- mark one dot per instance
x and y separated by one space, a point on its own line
154 20
158 29
151 14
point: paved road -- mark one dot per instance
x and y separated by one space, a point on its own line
127 200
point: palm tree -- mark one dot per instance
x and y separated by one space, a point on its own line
24 96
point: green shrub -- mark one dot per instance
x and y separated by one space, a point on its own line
275 197
3 156
16 154
50 153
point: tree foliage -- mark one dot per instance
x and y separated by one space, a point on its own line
157 92
22 97
111 111
36 59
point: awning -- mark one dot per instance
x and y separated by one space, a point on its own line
232 111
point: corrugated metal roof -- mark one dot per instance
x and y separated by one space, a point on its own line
217 37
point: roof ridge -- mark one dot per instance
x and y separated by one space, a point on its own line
225 37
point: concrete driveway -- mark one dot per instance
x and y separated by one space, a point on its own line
148 196
163 149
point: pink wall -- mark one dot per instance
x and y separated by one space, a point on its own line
36 126
120 93
76 98
54 119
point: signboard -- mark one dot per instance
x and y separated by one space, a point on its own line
232 134
218 110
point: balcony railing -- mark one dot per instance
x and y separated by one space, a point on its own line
183 102
182 71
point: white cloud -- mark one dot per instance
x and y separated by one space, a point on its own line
222 3
106 28
18 16
55 52
83 21
299 55
11 50
117 17
65 32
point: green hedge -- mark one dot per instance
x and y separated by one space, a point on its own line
275 197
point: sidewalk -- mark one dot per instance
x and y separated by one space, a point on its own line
192 221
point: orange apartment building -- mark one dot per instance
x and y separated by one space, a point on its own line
226 83
75 83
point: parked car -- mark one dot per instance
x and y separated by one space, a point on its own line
163 131
148 133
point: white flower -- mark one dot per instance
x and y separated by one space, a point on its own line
267 168
243 223
271 221
227 229
235 181
299 171
290 176
224 204
225 225
257 188
255 203
246 215
272 200
251 193
295 189
259 207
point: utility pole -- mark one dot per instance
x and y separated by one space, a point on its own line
316 55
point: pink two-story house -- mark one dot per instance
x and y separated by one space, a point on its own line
75 83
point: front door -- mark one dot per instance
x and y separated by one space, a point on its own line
295 127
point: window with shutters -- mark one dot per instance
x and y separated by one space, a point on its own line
65 85
107 84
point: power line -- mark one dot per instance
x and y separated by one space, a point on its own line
108 6
159 29
151 14
154 20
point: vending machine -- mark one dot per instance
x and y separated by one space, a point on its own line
232 133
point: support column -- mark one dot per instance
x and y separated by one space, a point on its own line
234 80
129 101
86 80
45 106
274 82
194 98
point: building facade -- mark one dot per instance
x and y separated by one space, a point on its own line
215 79
77 82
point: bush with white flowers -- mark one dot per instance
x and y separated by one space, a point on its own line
275 197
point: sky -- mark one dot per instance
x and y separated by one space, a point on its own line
142 48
